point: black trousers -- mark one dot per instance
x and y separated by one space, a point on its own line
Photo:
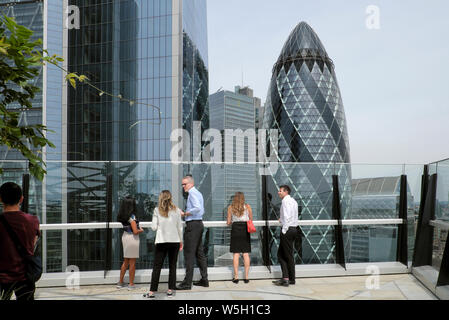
162 249
285 252
193 247
24 290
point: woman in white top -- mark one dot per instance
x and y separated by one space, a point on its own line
130 240
238 214
168 226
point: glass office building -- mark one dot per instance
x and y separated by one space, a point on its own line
304 104
45 19
31 16
234 113
151 55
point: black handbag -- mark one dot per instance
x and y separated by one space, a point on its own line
33 263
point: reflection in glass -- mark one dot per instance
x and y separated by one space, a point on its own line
376 243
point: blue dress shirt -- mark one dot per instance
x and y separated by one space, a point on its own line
195 205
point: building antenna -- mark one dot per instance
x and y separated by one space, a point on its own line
242 77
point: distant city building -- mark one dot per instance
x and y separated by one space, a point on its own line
304 104
233 110
378 198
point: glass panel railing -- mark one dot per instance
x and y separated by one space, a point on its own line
146 249
76 192
439 243
370 243
86 249
56 250
219 255
441 222
442 195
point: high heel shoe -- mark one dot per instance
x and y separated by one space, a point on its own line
246 280
235 280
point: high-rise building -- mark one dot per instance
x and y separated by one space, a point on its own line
304 104
234 115
152 54
39 17
45 19
147 60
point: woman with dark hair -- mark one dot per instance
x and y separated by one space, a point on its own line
130 240
239 213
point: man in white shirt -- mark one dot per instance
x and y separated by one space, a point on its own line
289 233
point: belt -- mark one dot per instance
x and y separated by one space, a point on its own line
196 220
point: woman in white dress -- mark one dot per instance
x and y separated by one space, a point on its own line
130 240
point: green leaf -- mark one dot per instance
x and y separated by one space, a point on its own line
73 82
82 78
20 59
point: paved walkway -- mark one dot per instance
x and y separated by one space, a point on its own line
391 287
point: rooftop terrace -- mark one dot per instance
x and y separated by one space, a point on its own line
391 287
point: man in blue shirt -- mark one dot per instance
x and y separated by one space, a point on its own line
193 236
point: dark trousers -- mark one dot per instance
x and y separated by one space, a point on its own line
285 252
24 290
162 249
193 247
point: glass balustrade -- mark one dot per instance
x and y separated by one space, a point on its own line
74 195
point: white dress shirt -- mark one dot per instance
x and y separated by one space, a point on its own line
289 213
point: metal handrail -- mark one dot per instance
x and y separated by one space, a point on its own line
443 225
221 224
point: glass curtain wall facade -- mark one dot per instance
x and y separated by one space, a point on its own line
154 53
304 104
45 19
195 105
31 16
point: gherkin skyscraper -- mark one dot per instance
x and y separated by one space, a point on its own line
304 104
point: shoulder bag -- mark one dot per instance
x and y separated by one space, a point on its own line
250 226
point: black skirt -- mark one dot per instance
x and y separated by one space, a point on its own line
240 238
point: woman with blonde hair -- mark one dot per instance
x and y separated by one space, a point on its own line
238 214
168 226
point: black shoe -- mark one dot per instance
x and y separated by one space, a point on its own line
281 282
246 281
183 286
202 283
235 280
149 295
291 282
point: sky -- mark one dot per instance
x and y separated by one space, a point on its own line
394 80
